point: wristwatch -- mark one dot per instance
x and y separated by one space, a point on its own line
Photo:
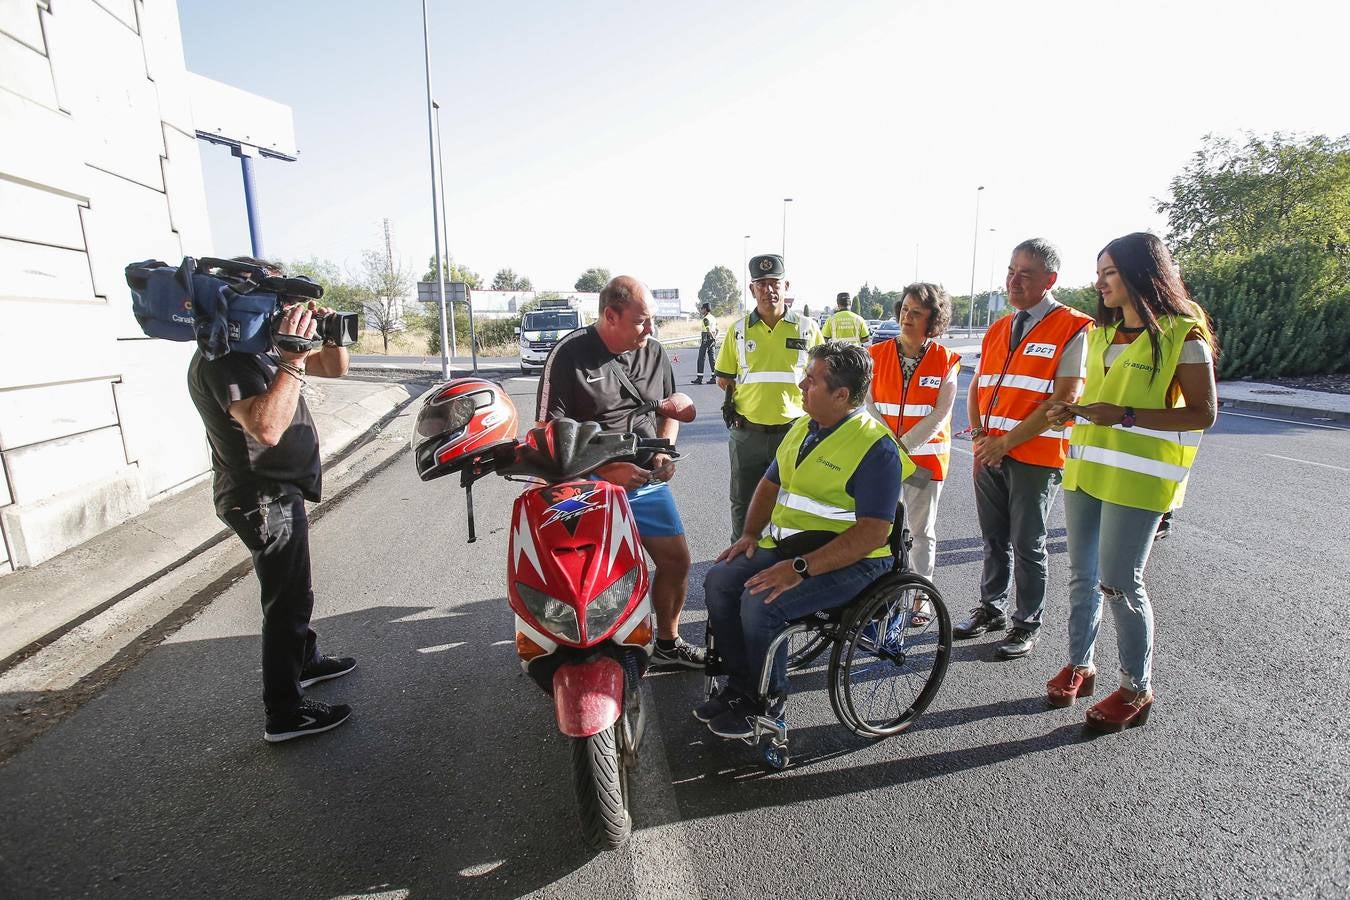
800 567
1127 420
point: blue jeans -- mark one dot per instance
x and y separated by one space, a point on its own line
1108 549
745 626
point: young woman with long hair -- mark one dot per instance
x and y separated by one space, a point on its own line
1149 394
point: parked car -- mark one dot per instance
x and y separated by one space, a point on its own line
885 330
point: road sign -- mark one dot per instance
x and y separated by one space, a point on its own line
455 292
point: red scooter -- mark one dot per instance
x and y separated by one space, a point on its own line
576 576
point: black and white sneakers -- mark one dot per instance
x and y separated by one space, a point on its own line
680 653
325 668
312 717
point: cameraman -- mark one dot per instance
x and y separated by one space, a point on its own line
265 460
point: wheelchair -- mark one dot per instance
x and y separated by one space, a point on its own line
887 658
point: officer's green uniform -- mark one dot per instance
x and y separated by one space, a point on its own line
768 365
847 326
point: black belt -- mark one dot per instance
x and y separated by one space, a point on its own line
762 429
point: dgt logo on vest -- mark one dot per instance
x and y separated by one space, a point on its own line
1045 351
930 381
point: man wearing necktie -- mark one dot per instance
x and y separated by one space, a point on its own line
1036 355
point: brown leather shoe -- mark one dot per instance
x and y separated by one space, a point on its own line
1120 710
1070 684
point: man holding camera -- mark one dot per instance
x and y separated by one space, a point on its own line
265 460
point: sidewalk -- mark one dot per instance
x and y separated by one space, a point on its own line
37 605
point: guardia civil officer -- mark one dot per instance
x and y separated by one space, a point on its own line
764 356
844 324
707 344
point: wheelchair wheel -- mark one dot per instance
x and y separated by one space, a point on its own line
886 669
804 647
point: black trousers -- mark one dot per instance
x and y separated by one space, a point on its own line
707 347
276 532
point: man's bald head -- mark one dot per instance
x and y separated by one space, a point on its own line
621 292
626 314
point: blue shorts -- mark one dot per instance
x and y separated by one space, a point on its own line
654 510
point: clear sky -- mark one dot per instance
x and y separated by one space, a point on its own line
648 138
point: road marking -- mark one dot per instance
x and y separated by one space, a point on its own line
660 857
1306 462
1284 421
439 648
964 450
502 643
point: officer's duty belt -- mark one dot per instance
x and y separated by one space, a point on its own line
762 429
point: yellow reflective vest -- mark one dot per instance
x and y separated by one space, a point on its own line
1136 467
812 495
846 325
768 365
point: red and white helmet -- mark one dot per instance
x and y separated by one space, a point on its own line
461 419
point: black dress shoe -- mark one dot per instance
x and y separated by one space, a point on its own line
980 621
698 380
1017 644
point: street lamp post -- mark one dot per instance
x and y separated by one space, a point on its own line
970 318
435 205
469 305
786 201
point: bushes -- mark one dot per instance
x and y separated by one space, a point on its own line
1283 311
495 333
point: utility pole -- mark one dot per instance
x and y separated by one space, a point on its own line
970 317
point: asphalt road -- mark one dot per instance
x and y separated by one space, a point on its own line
451 780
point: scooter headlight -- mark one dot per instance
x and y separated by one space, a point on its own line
606 608
552 613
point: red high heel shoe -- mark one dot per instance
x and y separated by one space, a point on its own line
1120 710
1071 683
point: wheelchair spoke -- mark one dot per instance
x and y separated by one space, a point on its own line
885 672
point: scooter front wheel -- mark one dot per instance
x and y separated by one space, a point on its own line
602 795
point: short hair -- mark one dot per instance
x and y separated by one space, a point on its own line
620 293
1043 250
843 300
707 306
846 366
930 297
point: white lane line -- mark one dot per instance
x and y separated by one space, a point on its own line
440 648
1283 421
660 849
1306 462
964 450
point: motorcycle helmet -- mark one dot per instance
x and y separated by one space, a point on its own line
461 420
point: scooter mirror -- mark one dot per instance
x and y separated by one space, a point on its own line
679 407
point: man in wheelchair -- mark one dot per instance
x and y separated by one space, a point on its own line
828 500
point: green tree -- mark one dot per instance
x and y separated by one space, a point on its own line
1264 193
457 273
340 290
721 290
592 280
1081 298
507 280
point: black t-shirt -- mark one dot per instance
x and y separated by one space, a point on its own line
245 470
578 382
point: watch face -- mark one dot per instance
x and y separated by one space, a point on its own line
799 566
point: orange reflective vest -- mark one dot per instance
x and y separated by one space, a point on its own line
1013 383
902 404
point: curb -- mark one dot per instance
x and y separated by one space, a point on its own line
1285 409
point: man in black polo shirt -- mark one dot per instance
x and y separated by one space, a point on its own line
592 375
265 459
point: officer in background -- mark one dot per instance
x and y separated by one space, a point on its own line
707 345
845 325
764 357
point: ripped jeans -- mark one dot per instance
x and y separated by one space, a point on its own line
1108 549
